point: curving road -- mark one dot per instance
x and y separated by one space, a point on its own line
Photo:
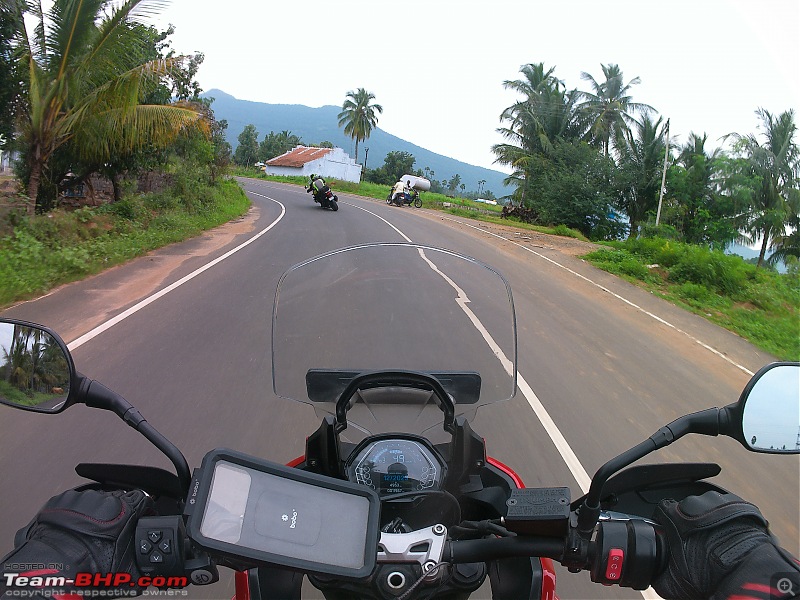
602 363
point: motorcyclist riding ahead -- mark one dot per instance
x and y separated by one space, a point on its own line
317 186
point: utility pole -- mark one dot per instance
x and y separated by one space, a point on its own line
663 177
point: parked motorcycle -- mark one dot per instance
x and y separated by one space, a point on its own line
395 495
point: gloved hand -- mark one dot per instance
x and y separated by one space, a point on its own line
720 546
87 531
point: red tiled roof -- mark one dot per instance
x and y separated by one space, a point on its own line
298 156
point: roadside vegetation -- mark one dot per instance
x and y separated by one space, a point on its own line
761 305
109 101
38 253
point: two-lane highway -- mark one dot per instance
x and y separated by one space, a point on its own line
602 364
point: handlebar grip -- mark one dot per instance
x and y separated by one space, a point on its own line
469 551
629 553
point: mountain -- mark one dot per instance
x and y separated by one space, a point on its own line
315 125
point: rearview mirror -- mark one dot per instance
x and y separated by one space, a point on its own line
36 369
771 409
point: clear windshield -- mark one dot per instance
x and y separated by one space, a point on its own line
393 307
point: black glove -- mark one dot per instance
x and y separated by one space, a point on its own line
720 546
85 531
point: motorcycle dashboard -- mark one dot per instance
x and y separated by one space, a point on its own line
393 465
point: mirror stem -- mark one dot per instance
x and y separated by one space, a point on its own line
712 421
96 395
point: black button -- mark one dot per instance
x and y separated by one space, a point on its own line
156 557
154 536
166 546
144 546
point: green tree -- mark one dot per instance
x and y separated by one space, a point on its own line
85 78
358 115
609 106
546 113
246 152
9 82
275 144
572 188
640 167
131 162
699 209
395 165
453 183
775 166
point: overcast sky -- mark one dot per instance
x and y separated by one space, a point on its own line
437 66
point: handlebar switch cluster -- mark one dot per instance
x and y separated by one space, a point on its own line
627 553
160 545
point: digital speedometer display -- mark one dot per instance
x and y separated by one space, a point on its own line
393 466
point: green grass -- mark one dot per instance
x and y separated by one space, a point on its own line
760 305
39 253
14 395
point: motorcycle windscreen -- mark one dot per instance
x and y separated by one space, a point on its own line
253 510
384 307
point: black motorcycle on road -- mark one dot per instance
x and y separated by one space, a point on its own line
325 197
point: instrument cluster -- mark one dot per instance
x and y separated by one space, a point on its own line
395 465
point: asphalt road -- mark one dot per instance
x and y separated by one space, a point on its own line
608 362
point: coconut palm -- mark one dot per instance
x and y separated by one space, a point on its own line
86 74
609 106
775 165
358 115
640 163
545 114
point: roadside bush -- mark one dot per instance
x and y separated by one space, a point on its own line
129 209
712 268
565 231
695 294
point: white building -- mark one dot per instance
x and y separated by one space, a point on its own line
331 163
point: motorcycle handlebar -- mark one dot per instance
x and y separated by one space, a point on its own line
631 553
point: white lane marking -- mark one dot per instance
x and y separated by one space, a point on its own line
574 465
402 235
150 299
617 296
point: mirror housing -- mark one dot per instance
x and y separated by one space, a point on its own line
33 359
767 416
36 369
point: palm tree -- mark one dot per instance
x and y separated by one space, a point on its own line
775 164
640 162
85 77
609 106
358 115
545 114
